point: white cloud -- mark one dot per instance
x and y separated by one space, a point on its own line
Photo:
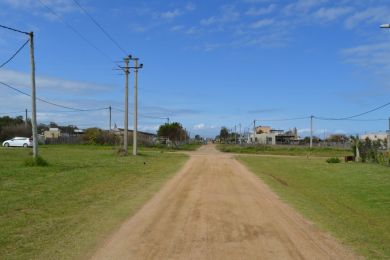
199 126
262 23
303 6
21 79
261 11
227 14
331 14
171 14
368 16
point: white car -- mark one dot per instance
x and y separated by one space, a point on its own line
18 141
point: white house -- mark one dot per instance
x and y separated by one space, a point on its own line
374 136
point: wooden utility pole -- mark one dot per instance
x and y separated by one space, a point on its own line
33 96
25 119
109 108
388 138
254 131
135 118
235 134
311 131
126 121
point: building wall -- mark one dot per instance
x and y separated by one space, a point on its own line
374 136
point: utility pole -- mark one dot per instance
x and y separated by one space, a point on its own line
25 121
240 135
311 131
254 131
109 108
126 120
135 117
33 96
388 138
235 134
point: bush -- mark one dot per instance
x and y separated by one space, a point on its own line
333 160
39 161
98 136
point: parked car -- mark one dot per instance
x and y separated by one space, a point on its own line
18 141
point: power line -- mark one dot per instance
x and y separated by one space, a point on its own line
13 56
15 112
143 116
75 31
283 119
52 103
13 29
357 115
100 27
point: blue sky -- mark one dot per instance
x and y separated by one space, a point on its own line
207 63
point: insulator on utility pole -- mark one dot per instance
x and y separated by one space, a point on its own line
33 97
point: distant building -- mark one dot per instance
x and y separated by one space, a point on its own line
374 136
52 133
267 135
143 137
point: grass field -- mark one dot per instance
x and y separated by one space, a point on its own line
64 210
284 150
351 200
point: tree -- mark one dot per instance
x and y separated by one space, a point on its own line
224 133
172 131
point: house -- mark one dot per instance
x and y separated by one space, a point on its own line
374 136
267 135
142 137
52 133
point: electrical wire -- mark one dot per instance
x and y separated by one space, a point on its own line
12 29
15 112
283 119
357 115
100 27
52 103
13 56
76 31
141 115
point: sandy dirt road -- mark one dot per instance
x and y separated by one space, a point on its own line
214 208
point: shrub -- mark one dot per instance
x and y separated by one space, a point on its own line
333 160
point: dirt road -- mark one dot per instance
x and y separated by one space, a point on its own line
214 208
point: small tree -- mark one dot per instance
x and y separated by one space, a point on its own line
224 133
173 131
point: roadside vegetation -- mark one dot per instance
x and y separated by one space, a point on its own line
351 200
284 150
63 210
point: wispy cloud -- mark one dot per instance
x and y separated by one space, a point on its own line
368 16
253 11
262 23
332 13
21 79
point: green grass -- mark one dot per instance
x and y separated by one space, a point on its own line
182 147
351 200
63 210
284 150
